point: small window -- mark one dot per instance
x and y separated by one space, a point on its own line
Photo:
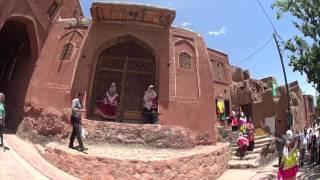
66 51
219 73
52 9
185 61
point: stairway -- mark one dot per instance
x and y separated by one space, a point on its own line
263 152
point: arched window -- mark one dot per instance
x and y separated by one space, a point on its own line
185 61
66 51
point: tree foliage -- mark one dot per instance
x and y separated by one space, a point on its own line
304 50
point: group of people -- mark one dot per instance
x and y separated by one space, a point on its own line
292 149
239 122
309 141
108 108
246 131
287 146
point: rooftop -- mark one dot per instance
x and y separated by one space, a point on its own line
107 11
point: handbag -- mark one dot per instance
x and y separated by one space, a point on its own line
83 132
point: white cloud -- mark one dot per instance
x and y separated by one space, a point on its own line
185 24
222 31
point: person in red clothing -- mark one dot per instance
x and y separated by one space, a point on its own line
109 107
234 121
243 144
250 132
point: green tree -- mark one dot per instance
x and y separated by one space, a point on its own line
304 49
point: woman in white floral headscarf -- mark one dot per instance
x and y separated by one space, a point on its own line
108 108
150 105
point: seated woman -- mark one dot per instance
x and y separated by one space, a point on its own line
108 108
150 110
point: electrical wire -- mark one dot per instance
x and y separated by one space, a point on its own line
266 14
256 52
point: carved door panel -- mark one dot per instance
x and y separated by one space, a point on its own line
132 68
138 77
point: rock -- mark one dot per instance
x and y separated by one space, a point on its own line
197 165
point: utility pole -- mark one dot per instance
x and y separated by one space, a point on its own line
290 120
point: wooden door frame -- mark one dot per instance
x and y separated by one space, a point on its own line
109 44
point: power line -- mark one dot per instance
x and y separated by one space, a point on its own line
266 14
256 52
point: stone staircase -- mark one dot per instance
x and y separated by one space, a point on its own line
263 152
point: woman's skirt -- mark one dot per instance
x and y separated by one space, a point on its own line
288 173
108 111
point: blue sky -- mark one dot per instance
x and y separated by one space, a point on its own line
238 28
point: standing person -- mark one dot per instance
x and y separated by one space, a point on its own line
2 118
289 162
108 108
220 109
76 121
150 110
234 121
313 149
302 147
280 141
250 131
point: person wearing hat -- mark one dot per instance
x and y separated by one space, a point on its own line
150 110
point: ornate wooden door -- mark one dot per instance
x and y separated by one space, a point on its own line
132 67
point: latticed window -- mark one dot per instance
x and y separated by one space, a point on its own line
185 61
221 71
66 51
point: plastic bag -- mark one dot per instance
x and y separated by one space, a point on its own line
83 132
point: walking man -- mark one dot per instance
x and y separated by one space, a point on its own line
76 122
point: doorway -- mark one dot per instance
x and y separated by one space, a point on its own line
132 67
17 64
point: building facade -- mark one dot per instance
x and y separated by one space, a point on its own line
268 109
53 52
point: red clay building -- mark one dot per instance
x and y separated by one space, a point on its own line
47 56
267 111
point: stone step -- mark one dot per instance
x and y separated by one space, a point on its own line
259 141
261 137
247 157
234 146
255 151
256 142
242 164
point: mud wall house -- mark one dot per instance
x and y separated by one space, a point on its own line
310 110
47 56
221 76
268 111
25 26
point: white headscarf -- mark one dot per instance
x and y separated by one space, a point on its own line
113 89
149 95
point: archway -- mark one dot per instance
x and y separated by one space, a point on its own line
16 67
132 66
